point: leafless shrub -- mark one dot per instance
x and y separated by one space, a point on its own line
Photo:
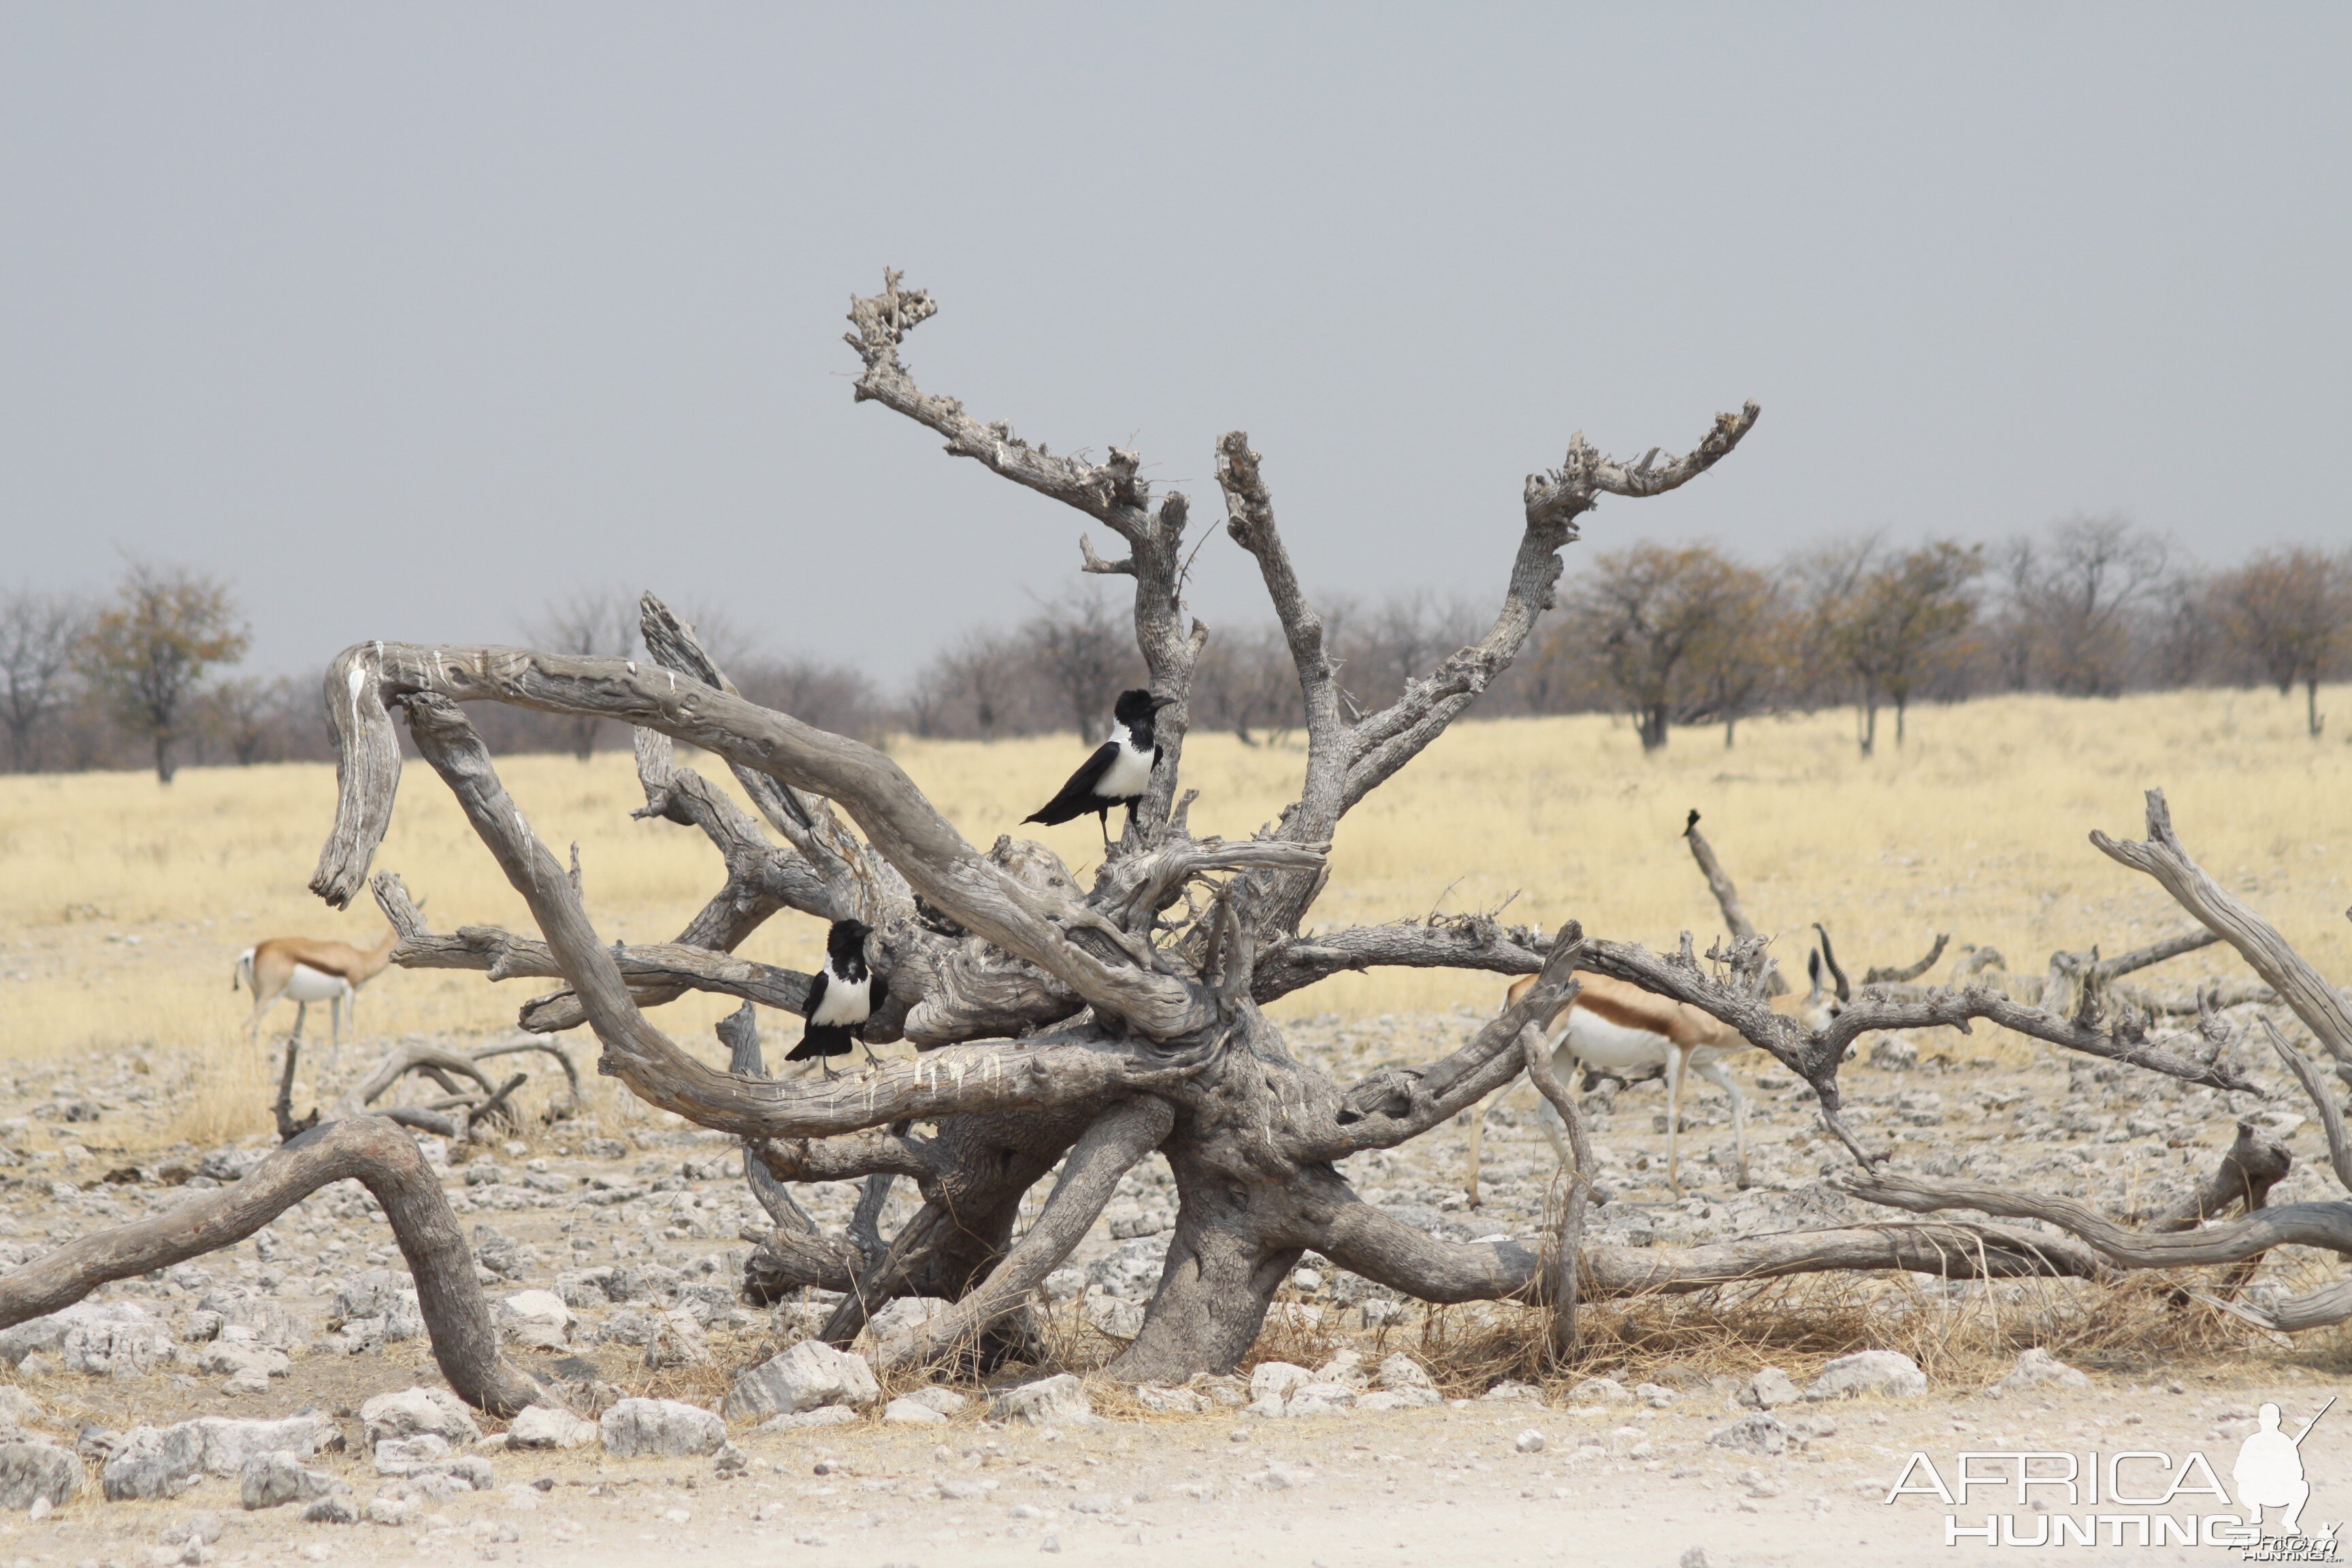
2066 619
592 623
39 635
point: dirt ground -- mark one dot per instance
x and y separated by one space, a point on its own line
632 1221
1443 1485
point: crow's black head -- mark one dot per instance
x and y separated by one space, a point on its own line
1137 705
847 940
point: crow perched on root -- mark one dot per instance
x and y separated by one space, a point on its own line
1118 771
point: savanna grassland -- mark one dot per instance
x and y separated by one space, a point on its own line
123 904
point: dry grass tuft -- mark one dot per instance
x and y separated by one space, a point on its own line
2133 1324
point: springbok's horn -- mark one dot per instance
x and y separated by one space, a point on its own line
1829 956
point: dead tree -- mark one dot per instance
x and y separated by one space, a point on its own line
1098 1023
1107 1020
1086 1027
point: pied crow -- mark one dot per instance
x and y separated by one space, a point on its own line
1118 772
841 996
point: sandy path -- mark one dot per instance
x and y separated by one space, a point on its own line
1446 1485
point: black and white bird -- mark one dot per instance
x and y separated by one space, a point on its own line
841 996
1118 772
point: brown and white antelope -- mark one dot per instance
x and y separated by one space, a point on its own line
304 970
1617 1026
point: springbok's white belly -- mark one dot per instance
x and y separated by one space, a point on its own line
1597 1042
309 985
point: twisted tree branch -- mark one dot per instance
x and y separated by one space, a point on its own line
1047 1071
2163 857
370 1150
901 824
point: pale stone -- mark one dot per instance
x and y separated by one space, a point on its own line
536 1320
1048 1402
34 1473
2037 1368
807 1377
545 1426
1888 1373
1277 1379
415 1410
1758 1434
1768 1389
660 1428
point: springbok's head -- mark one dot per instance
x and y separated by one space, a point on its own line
1824 1003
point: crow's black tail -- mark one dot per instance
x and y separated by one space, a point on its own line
821 1040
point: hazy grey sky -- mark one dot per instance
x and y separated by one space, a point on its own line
404 316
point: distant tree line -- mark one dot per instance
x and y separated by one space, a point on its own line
1669 636
1679 635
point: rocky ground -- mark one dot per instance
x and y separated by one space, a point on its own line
1363 1432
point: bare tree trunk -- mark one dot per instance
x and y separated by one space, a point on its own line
381 1156
1651 725
2311 703
1869 717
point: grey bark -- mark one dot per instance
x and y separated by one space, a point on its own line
1090 1174
1561 1256
1726 894
371 1149
2163 857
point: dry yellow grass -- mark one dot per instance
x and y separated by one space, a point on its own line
1976 827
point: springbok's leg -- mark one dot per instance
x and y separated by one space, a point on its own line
1674 1117
339 1025
302 1011
1713 1072
263 1000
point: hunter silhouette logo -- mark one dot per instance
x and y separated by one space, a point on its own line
2139 1497
2269 1472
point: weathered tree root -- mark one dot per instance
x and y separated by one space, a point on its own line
1109 1149
2241 1178
1388 1252
371 1150
2327 1224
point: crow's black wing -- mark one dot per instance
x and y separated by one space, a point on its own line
1078 797
808 1045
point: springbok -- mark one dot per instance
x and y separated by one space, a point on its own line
306 970
1615 1025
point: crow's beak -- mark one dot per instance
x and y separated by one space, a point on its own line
1160 702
